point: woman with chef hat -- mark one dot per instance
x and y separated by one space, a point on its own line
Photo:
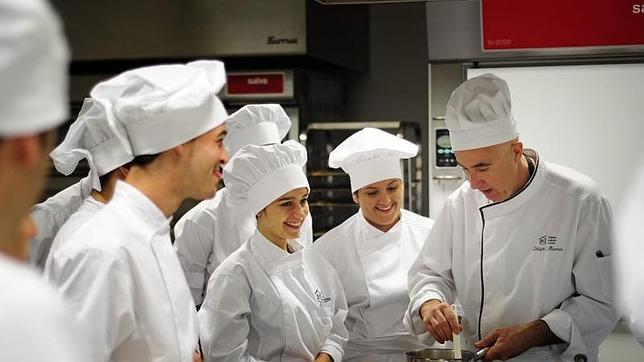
272 300
374 248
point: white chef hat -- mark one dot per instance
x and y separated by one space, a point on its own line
371 155
90 137
33 68
256 124
479 114
153 109
258 175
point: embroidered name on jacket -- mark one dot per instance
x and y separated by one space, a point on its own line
321 298
547 243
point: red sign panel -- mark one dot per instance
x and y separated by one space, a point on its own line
260 83
512 24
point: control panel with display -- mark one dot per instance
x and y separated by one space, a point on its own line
444 156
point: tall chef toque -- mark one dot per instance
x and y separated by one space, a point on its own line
479 114
153 109
258 175
33 68
371 155
256 124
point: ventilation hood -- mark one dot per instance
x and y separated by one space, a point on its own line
162 29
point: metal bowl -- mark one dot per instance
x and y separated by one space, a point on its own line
437 355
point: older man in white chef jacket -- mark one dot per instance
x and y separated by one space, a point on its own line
214 228
34 323
119 269
524 244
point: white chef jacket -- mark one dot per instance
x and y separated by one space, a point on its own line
122 276
211 231
50 215
264 304
374 266
89 208
630 244
544 253
35 326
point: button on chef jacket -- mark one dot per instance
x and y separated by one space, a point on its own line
35 326
123 279
89 208
211 231
374 266
544 253
264 304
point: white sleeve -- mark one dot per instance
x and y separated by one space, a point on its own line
194 241
42 333
35 325
97 286
50 215
47 223
224 320
430 276
338 336
585 319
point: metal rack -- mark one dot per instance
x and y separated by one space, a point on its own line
331 201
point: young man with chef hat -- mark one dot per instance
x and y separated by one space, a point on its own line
119 270
35 325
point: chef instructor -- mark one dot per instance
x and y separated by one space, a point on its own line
524 244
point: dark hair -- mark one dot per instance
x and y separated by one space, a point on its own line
103 179
143 160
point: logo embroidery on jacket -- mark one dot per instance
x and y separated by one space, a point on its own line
321 298
547 243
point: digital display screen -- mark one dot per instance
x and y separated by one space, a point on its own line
444 156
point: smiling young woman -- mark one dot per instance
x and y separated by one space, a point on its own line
374 248
272 297
380 203
283 218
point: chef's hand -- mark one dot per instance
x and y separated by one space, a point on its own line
508 342
196 357
323 357
439 320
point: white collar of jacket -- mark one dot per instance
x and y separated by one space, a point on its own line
372 239
140 204
271 254
373 232
529 190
